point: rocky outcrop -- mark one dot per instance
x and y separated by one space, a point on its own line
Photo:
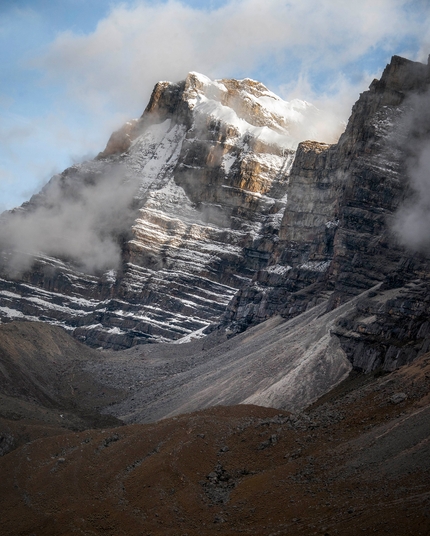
303 253
388 329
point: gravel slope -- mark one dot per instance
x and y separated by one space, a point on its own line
280 364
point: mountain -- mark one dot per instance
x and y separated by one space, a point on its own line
303 268
150 241
345 228
202 214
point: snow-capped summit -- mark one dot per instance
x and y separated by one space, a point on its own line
183 206
246 105
183 220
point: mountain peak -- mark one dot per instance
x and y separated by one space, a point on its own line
248 106
403 75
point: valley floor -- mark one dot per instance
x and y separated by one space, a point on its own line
356 462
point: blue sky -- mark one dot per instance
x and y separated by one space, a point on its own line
75 70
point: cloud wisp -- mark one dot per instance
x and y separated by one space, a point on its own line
136 46
93 80
412 220
78 218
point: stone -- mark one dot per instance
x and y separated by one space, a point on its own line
397 398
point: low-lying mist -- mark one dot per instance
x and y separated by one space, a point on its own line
77 217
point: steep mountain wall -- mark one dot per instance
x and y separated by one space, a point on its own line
205 170
215 217
337 238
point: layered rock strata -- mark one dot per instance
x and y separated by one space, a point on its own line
206 170
209 233
337 238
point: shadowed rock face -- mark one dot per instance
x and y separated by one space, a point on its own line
44 389
336 234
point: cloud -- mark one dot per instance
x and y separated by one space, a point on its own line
77 217
300 48
93 82
412 220
35 148
334 104
116 66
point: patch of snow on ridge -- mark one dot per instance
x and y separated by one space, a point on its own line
83 302
110 276
8 294
278 269
198 334
172 200
196 82
116 331
13 313
288 123
228 160
275 220
154 154
209 107
315 266
43 295
269 160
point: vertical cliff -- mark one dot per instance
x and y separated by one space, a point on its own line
336 237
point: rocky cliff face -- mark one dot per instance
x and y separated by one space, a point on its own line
206 170
336 236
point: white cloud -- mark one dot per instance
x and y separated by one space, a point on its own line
116 66
96 81
78 217
412 220
334 104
